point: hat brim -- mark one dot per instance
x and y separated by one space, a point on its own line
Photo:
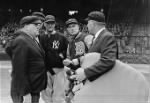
41 18
28 20
49 21
71 23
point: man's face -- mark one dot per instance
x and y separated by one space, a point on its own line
90 26
73 29
35 27
50 26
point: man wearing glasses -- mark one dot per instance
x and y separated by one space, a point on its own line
28 68
42 17
55 45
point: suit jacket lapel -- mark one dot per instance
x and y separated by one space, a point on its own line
38 44
98 38
41 48
34 43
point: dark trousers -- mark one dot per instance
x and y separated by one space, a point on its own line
19 99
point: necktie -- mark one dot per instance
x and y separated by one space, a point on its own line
37 42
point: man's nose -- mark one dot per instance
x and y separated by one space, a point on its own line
72 29
38 27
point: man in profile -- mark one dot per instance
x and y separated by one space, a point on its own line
104 43
28 67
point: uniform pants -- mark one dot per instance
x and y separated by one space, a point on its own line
56 87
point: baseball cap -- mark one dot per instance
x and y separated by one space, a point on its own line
71 21
49 18
39 14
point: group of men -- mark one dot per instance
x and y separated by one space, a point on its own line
38 59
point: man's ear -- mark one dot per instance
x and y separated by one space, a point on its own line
80 27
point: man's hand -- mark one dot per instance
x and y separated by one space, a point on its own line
80 75
61 55
75 62
67 62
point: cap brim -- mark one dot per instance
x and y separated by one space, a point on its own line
50 21
71 23
41 18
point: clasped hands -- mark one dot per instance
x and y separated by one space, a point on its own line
79 73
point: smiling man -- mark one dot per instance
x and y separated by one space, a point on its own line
79 43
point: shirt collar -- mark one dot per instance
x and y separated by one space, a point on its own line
97 34
78 35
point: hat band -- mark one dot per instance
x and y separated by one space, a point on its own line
96 19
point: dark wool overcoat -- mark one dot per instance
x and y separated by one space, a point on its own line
28 67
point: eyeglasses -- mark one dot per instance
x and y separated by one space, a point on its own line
37 24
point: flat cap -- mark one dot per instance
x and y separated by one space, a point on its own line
39 14
49 18
71 21
96 16
28 20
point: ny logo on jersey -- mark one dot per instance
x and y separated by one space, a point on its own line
56 44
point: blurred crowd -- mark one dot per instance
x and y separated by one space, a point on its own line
6 32
123 32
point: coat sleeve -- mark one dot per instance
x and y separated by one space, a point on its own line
65 47
20 65
8 48
107 60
